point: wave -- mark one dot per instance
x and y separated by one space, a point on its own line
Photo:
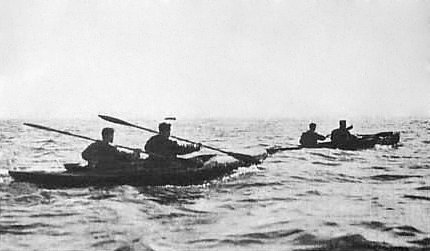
268 235
250 238
416 197
419 167
402 230
423 242
390 177
22 229
423 188
325 163
253 185
380 168
139 246
310 179
325 156
268 199
351 243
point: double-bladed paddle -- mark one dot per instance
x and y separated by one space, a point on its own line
77 136
240 156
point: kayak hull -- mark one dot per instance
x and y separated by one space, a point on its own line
141 173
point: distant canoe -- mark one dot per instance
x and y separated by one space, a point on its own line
365 141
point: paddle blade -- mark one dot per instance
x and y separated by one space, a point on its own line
273 150
115 120
248 159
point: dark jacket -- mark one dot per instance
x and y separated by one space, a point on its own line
341 137
161 146
310 138
100 153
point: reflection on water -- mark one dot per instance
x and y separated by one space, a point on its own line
309 199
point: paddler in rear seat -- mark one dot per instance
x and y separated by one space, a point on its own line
310 138
160 147
341 137
103 154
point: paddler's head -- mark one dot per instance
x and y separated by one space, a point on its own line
342 124
107 134
164 129
312 126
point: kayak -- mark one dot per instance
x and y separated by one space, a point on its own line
363 141
143 172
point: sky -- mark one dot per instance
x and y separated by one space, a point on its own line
210 59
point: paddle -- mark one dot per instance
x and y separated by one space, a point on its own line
240 156
380 134
76 135
273 150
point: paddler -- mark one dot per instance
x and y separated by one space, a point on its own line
103 154
341 136
310 138
160 147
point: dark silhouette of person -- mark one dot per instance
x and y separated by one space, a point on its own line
341 137
310 138
102 154
160 147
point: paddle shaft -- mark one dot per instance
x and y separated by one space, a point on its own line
119 121
76 135
245 157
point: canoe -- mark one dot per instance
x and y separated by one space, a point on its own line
144 172
363 141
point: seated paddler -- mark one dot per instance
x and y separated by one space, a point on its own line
101 154
160 147
310 138
341 137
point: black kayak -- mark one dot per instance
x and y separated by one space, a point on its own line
363 141
181 172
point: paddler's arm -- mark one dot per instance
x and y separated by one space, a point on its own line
320 137
128 156
184 149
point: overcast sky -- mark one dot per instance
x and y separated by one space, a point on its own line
225 58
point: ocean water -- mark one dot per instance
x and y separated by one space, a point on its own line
309 199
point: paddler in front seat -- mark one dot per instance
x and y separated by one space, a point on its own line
341 137
310 138
160 147
102 154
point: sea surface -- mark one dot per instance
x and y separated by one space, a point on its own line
309 199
